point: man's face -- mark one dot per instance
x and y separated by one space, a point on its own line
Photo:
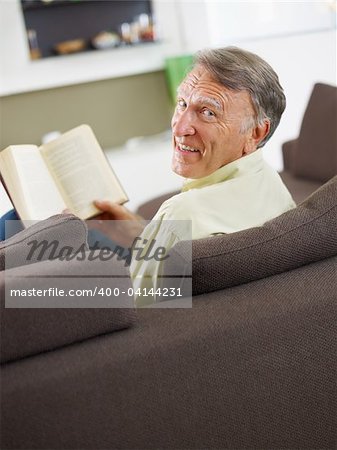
207 125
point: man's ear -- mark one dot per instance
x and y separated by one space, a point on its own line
257 134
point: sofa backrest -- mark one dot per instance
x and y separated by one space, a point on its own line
298 237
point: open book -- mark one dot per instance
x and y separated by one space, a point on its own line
68 172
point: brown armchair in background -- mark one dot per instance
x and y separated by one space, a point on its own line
311 159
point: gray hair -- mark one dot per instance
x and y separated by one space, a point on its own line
240 70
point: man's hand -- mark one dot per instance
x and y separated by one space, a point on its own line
114 211
125 228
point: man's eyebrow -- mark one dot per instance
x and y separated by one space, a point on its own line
210 101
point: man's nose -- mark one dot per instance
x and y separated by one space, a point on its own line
182 124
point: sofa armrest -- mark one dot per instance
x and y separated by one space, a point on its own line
31 323
55 234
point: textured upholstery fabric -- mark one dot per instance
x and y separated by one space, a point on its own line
315 157
252 367
28 330
300 188
297 237
66 229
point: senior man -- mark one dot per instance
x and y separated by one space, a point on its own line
227 108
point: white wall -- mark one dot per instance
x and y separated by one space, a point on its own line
215 23
242 21
300 61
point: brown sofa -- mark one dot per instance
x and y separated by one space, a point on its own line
250 366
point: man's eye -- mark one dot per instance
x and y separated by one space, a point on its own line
207 112
181 103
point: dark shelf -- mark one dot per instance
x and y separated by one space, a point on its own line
39 4
91 49
66 20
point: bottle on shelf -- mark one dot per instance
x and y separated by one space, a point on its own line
34 50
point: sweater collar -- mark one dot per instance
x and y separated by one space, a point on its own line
246 164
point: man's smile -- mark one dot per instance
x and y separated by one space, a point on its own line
186 149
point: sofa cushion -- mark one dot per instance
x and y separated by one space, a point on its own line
300 236
63 229
34 324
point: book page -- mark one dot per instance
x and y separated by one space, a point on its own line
81 171
32 189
